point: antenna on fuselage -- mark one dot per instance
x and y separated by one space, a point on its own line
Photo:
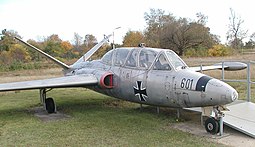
141 45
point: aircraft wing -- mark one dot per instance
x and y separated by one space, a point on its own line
205 68
60 82
226 65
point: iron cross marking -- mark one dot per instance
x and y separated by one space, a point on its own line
141 92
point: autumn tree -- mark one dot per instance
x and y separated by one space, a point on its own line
11 50
133 38
52 45
236 33
19 53
178 34
66 46
67 49
7 39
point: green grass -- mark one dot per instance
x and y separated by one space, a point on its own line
96 120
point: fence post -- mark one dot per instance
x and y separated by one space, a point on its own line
248 82
222 72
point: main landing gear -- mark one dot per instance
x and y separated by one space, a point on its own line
213 124
48 103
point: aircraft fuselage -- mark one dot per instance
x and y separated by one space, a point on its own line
170 87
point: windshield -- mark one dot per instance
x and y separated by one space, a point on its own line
146 58
107 58
161 64
120 56
175 60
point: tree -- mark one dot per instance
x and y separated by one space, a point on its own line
67 49
202 19
77 43
98 54
235 33
155 20
35 55
133 38
178 34
53 46
7 39
66 45
90 40
181 35
19 53
251 43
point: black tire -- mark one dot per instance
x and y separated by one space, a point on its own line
212 125
50 105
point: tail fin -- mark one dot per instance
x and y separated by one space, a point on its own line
86 56
63 65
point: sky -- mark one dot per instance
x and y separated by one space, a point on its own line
36 19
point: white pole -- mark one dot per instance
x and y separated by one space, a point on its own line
113 45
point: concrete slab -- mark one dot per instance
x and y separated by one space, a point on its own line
241 117
46 117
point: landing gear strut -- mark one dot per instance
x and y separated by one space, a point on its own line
214 124
48 103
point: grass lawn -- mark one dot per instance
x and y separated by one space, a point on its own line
96 120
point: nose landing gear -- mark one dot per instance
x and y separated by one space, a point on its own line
214 124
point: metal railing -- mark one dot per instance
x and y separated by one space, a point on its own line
248 78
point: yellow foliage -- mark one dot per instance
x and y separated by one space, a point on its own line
19 53
219 50
66 45
133 38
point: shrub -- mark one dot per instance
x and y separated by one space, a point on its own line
219 50
196 52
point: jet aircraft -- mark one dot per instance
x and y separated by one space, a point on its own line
150 76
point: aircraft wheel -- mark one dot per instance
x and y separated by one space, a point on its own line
50 105
212 125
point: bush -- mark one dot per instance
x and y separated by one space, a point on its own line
196 52
19 53
219 50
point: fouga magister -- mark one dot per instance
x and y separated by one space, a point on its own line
150 76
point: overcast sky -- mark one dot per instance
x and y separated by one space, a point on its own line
34 19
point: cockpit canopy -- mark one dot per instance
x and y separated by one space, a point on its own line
145 58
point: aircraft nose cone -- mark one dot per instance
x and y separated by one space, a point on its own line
234 95
220 92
